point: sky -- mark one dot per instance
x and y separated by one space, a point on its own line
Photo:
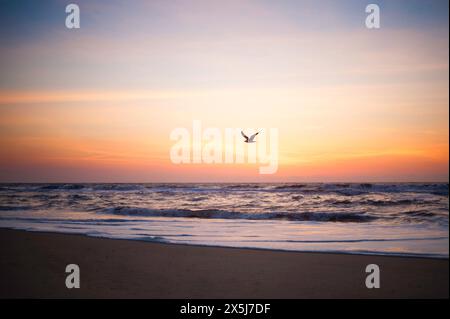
98 104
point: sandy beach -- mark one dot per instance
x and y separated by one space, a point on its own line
33 266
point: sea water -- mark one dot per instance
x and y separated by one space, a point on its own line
390 219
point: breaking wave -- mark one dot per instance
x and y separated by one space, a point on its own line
223 214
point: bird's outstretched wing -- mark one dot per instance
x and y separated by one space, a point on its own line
245 136
253 136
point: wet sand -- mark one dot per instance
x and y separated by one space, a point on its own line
32 265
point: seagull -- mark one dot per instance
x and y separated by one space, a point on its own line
249 139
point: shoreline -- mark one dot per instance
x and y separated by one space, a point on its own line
33 266
351 253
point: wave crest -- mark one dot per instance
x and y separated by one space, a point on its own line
223 214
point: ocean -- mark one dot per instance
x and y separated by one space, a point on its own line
407 219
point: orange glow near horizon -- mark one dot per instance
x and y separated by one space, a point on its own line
97 138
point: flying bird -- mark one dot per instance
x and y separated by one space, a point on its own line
249 139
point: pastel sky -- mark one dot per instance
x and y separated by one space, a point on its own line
97 104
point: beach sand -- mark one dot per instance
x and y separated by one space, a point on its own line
32 265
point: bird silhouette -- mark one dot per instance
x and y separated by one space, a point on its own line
250 139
